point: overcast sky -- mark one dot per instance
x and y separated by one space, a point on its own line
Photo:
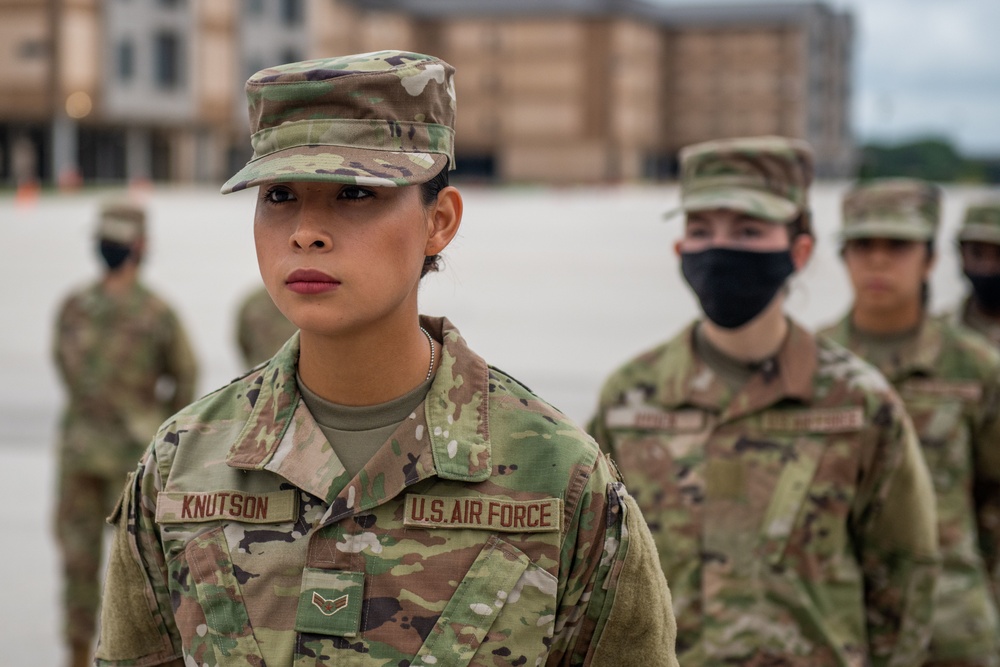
925 67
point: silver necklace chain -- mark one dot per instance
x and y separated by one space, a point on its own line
430 367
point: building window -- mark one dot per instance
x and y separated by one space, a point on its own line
166 60
126 60
291 12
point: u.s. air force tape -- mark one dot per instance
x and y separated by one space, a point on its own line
484 513
199 506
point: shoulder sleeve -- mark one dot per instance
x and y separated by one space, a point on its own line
137 622
65 345
616 608
895 525
986 484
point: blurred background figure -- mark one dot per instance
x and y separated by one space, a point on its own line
768 463
948 377
979 244
261 329
126 364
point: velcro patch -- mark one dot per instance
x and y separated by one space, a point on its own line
968 390
484 513
820 420
330 602
652 419
200 506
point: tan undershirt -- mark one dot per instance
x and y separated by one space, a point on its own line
734 373
356 433
882 350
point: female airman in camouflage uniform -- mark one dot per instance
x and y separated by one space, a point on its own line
376 494
778 473
979 245
948 378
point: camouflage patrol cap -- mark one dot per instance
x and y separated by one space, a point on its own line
766 177
892 208
381 119
121 221
981 223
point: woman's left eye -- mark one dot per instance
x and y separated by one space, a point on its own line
353 192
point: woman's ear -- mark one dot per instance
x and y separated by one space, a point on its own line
444 218
802 250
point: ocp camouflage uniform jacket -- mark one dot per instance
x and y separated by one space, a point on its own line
115 354
488 530
948 379
794 518
967 315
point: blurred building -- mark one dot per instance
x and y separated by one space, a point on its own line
549 90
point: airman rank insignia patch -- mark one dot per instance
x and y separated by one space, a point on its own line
329 607
330 602
484 513
818 420
241 506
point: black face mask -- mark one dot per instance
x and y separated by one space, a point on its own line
986 287
734 286
114 254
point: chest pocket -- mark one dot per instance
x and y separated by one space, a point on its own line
941 414
216 611
501 592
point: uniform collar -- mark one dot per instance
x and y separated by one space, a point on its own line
450 439
916 356
788 376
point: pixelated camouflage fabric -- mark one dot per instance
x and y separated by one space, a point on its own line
948 379
261 329
895 208
773 507
438 588
380 119
126 364
766 177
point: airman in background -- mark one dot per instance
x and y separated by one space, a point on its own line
979 244
261 329
126 364
376 494
778 473
948 378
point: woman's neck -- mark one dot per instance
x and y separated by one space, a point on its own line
365 368
887 321
759 339
120 280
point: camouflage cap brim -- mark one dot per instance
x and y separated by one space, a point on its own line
904 230
982 233
335 164
757 203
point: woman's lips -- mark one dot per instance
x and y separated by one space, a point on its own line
310 281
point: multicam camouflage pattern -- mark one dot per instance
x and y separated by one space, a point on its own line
261 329
422 559
777 509
380 119
113 353
948 379
971 316
766 177
981 223
122 221
893 208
